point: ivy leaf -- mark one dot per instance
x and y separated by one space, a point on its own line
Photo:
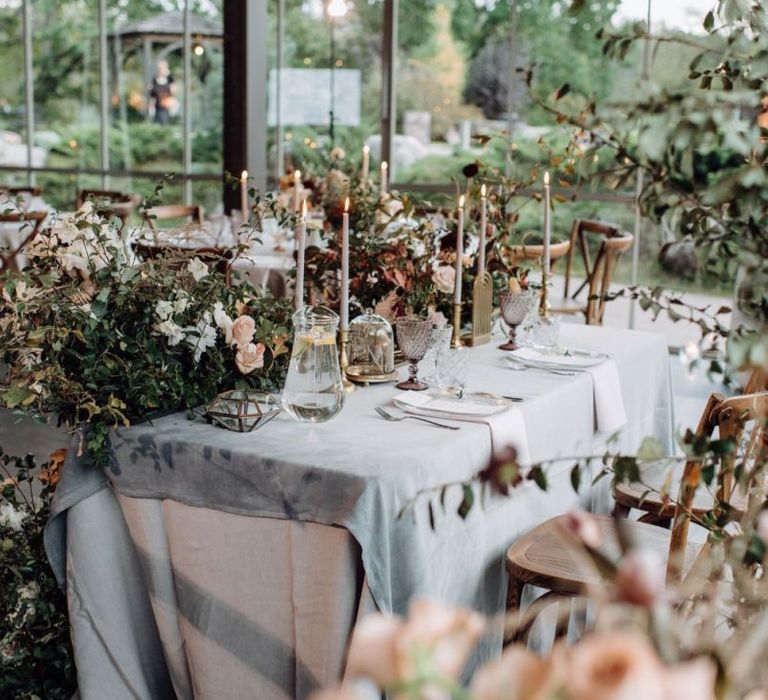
538 477
709 22
467 502
576 477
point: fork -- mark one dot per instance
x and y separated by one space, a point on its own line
397 419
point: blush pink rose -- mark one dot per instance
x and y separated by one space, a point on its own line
583 527
243 330
518 675
692 680
372 653
250 357
444 278
640 577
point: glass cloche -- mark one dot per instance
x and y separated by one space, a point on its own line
371 348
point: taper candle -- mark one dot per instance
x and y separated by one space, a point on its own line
383 183
301 236
547 226
483 225
459 253
296 190
344 307
366 162
244 197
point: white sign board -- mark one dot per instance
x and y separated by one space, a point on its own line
305 96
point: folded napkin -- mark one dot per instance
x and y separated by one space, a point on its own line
575 361
507 428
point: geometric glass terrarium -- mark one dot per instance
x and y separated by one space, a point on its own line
242 410
371 348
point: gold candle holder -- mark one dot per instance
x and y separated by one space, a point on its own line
544 304
482 310
456 334
344 361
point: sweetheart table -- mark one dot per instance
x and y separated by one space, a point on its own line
209 564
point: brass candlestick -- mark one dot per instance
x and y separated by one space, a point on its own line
456 335
482 310
544 305
344 361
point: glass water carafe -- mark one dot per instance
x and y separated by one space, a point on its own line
313 390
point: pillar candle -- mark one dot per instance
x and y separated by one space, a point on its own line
301 237
483 225
547 226
244 196
383 183
296 190
344 310
459 253
366 163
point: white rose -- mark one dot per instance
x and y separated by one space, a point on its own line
223 321
444 278
11 517
197 268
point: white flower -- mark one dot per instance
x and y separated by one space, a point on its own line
30 591
164 309
197 268
11 517
444 278
201 337
171 330
181 304
223 321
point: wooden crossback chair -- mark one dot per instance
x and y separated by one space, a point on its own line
190 212
33 219
535 251
544 556
218 259
599 273
648 496
110 203
31 190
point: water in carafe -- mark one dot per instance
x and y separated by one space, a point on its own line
313 391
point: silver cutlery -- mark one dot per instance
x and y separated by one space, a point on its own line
397 419
518 366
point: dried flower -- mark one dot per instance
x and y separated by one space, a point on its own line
584 527
503 471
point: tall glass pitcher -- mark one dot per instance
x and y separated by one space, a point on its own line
313 390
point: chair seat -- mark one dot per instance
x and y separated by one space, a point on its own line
645 497
568 306
544 557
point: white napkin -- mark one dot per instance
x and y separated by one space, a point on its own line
554 358
507 427
609 402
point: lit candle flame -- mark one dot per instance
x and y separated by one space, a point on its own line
346 205
366 148
244 176
461 202
482 191
384 166
297 175
546 179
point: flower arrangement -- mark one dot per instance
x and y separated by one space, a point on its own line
35 651
93 335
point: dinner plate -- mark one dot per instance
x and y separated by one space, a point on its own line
557 358
437 405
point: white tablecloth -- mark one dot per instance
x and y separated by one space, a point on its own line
259 607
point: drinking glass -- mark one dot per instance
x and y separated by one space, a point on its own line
413 337
453 370
313 390
515 306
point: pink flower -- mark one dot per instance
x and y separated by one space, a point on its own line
372 652
243 330
250 357
444 278
517 675
584 527
693 680
612 666
384 649
640 577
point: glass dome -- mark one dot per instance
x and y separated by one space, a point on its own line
371 346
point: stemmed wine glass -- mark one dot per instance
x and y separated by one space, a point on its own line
515 306
413 337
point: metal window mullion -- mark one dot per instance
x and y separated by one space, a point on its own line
644 75
279 58
187 123
103 95
256 95
29 88
388 85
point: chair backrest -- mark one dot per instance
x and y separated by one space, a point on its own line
110 203
602 273
35 220
581 229
31 190
191 212
731 417
219 259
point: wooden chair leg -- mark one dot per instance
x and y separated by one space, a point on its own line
620 511
514 600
